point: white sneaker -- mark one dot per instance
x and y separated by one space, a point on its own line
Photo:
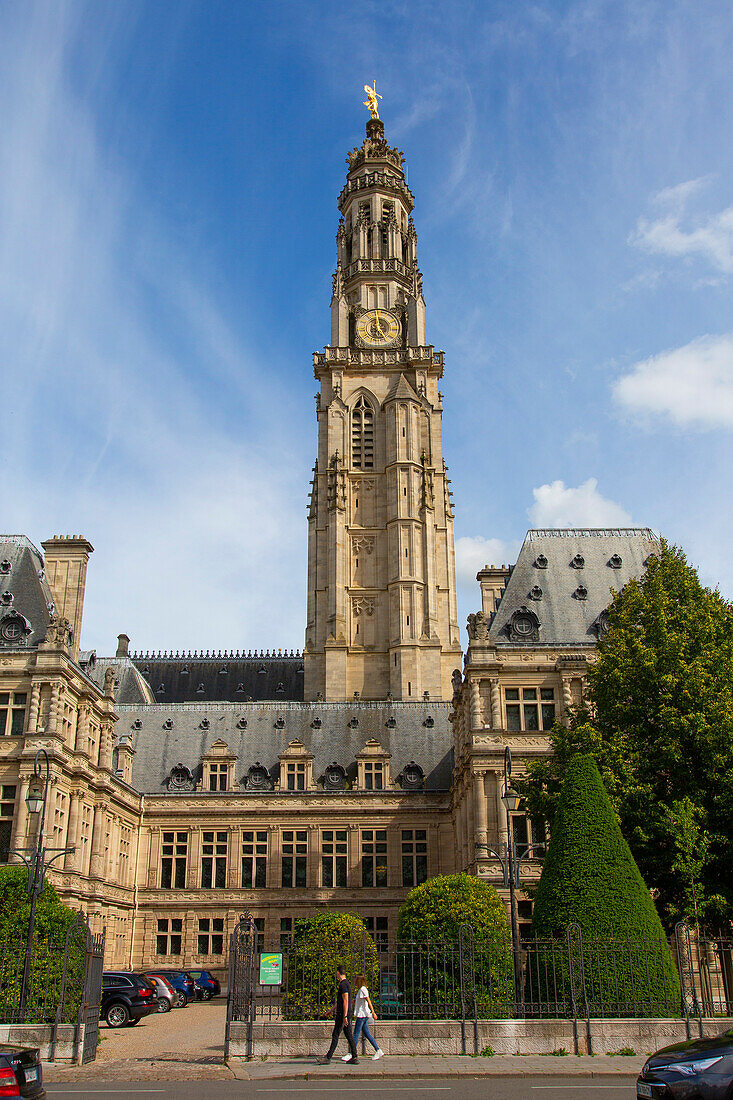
377 1054
345 1057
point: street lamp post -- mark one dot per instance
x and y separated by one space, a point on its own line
510 867
36 862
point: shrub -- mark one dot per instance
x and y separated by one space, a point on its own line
430 968
590 878
319 944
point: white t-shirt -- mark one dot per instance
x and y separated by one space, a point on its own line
361 1004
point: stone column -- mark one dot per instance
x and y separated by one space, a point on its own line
71 859
353 865
105 746
53 709
501 809
475 704
313 860
233 858
96 862
495 705
479 803
33 708
470 829
567 698
193 858
394 857
82 729
460 838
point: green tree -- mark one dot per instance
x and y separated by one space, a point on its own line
53 920
319 944
659 723
589 878
431 968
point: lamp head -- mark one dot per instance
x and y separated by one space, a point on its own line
511 799
34 798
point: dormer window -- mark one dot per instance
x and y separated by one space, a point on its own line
218 765
373 767
540 562
296 768
578 562
615 561
362 435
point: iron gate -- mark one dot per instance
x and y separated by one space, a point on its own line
81 988
241 991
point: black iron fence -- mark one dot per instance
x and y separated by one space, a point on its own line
569 977
63 985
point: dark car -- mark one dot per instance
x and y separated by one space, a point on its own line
182 982
21 1073
207 986
701 1068
126 998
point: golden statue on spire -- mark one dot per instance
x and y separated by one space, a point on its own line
371 99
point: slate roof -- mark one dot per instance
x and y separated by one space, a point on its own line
158 749
130 685
24 589
235 678
566 616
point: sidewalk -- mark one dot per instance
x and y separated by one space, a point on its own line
180 1068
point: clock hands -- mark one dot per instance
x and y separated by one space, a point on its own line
379 327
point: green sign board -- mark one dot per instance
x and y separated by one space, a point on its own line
271 969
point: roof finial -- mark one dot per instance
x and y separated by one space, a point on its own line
371 99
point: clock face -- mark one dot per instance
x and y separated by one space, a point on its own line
378 328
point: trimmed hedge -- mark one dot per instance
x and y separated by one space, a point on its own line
319 945
430 970
590 878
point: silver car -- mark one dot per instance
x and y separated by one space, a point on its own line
165 995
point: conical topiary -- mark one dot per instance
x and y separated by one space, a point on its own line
590 878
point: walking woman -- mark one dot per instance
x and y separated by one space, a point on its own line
363 1013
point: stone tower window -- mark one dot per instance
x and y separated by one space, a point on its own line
362 435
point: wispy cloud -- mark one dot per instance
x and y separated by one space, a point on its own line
118 428
692 385
559 505
676 232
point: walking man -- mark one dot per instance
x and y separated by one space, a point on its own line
342 1018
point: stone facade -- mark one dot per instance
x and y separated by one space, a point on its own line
195 786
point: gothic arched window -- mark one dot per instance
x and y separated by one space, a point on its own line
362 435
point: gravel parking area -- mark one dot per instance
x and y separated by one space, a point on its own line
184 1043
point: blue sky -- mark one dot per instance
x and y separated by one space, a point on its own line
168 183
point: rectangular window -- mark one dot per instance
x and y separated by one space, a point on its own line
173 861
539 838
378 929
295 857
333 857
373 775
170 936
286 932
254 860
211 936
7 809
520 834
523 712
214 860
414 856
12 712
218 777
296 777
374 857
259 923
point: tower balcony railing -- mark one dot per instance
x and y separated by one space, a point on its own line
379 267
384 181
426 355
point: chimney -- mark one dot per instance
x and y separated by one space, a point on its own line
66 558
492 579
123 645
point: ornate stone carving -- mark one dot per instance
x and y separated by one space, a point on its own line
362 544
362 605
478 627
336 484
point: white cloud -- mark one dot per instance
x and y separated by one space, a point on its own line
473 552
710 238
560 505
691 385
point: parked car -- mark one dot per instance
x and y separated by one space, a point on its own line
181 980
207 986
126 998
701 1068
21 1073
165 994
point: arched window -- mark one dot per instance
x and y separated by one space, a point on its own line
362 435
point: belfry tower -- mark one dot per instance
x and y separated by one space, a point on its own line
382 614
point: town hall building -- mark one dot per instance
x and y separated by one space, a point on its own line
192 787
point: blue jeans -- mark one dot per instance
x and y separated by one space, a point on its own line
361 1023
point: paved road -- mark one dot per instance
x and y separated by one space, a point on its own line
495 1088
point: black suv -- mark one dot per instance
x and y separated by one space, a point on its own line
21 1073
126 998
